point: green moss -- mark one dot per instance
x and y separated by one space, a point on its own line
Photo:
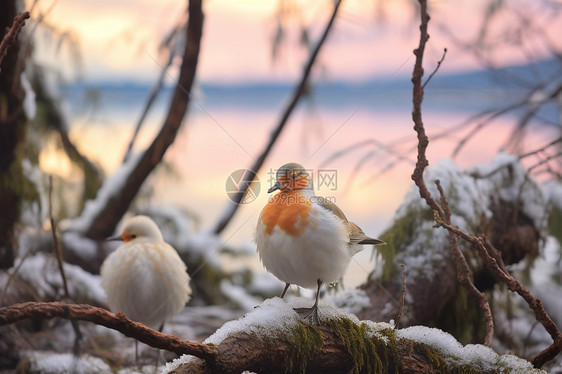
461 317
396 238
555 223
371 353
434 358
307 340
14 179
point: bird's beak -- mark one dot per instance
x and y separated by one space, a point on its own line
117 237
275 187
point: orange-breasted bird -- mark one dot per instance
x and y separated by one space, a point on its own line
145 277
305 239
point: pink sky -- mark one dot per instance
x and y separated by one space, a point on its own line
119 39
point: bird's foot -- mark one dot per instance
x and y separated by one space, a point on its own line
307 313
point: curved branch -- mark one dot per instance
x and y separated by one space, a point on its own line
442 211
103 317
106 217
10 37
481 244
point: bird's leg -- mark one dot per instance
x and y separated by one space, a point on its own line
307 312
137 353
285 289
158 350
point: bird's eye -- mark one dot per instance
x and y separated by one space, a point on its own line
133 236
294 176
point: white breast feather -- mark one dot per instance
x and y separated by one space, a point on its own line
320 252
146 281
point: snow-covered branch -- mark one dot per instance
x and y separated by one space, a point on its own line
274 339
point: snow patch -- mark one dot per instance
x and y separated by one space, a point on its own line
264 283
29 104
553 192
352 301
272 316
239 295
84 248
42 273
478 356
207 245
56 363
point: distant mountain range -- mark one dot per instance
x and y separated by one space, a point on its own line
467 92
512 76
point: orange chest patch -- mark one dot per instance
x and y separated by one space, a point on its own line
287 210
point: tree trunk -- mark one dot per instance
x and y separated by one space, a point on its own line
13 125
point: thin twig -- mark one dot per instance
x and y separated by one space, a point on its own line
514 285
436 68
249 176
58 251
12 275
403 295
10 37
477 242
545 161
464 274
154 92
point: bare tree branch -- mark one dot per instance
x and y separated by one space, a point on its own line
248 177
110 214
10 37
156 89
464 274
443 216
436 68
442 211
403 295
103 317
481 244
58 251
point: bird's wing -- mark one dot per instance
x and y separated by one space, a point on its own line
356 235
327 204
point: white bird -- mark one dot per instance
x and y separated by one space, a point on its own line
305 239
145 277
